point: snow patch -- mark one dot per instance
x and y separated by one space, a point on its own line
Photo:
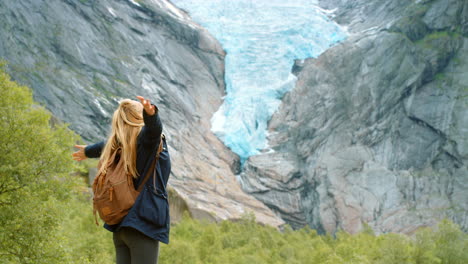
111 11
135 3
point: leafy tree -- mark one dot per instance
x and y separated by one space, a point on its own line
36 189
194 241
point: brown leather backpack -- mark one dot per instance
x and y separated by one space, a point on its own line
114 192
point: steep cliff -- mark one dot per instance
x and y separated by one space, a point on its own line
81 57
375 130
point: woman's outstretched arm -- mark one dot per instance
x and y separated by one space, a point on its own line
80 154
90 151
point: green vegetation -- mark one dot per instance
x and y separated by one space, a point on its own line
46 214
193 241
437 35
430 40
440 76
442 81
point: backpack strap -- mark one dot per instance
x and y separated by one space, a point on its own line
164 194
142 184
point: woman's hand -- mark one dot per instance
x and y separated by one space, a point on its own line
149 108
80 154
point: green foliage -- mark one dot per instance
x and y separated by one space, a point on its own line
45 216
438 35
451 245
33 176
245 241
83 240
434 40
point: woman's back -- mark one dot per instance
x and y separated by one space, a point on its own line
137 131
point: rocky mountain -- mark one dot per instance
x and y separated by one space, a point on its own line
376 130
81 57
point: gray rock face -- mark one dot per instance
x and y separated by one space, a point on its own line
448 15
375 130
81 57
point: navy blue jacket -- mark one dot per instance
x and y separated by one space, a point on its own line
153 222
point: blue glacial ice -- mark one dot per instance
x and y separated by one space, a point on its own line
262 39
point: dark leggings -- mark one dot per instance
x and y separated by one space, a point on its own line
132 247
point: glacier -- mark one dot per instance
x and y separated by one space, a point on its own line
262 38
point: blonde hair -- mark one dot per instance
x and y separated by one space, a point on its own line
127 122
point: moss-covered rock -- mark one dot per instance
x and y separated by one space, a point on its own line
438 48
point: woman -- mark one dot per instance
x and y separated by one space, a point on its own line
137 131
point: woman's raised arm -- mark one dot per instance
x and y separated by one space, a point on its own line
151 132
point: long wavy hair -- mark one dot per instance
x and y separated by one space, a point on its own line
127 122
